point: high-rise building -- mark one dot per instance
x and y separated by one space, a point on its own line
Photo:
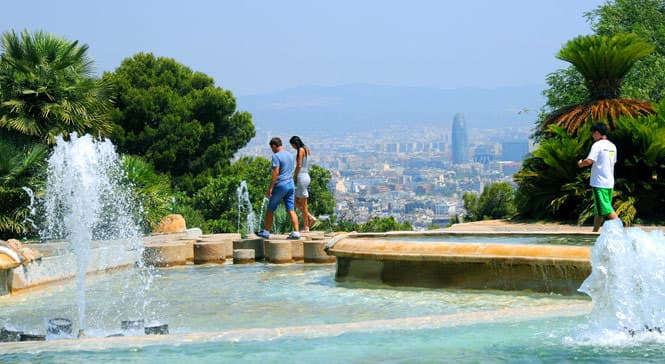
460 140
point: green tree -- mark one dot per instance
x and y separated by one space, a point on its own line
218 199
497 201
150 190
639 185
550 185
645 80
603 62
378 224
20 167
47 89
646 18
177 119
321 201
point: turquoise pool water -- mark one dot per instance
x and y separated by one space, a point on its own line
298 313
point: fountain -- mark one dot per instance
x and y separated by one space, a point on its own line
247 222
270 312
86 201
627 281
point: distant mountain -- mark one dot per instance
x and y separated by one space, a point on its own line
340 109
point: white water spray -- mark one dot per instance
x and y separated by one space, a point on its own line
84 200
627 282
246 218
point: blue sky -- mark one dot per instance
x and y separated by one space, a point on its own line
253 47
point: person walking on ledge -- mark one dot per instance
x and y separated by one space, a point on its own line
281 188
302 180
601 158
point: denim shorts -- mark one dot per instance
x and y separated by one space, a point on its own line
282 192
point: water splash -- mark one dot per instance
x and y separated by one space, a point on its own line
247 222
31 207
85 200
627 282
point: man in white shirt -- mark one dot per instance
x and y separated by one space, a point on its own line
601 158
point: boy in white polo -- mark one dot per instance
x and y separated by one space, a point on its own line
601 158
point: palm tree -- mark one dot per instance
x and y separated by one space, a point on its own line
603 62
151 191
47 88
19 167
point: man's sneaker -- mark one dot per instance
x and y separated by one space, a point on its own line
294 235
263 234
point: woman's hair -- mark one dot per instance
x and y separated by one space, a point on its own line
295 140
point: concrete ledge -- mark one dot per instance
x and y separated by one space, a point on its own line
463 252
313 235
544 268
243 256
212 251
297 249
280 251
220 236
255 244
190 248
314 253
103 256
166 255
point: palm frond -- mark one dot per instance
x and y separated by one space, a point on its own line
605 110
604 61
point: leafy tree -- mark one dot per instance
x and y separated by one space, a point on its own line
377 224
603 62
471 206
20 167
321 201
177 119
646 18
645 80
374 225
639 184
151 191
454 219
495 202
218 199
47 89
183 205
550 185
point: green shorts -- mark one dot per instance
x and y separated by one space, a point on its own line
602 201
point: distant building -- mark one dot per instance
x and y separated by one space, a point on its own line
514 151
460 140
483 154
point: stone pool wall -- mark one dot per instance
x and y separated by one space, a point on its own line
542 268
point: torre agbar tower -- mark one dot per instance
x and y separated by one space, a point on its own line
460 140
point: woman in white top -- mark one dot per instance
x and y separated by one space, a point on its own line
302 181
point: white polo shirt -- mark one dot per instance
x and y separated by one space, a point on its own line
604 155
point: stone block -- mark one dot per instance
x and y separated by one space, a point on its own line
212 251
243 256
166 255
314 253
297 250
254 243
280 251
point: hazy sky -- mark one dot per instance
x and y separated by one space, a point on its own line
252 47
